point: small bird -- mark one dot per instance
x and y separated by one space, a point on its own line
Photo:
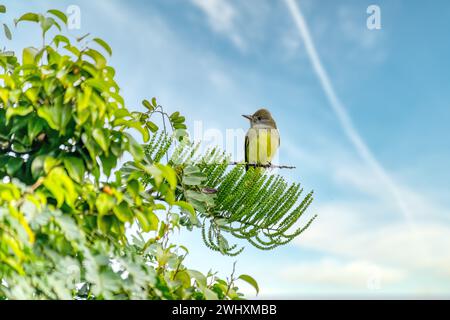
262 139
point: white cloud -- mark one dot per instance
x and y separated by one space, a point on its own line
351 231
358 274
221 17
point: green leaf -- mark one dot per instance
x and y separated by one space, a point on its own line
198 276
61 186
142 220
2 8
57 116
194 179
134 188
184 278
47 23
151 126
104 203
147 219
162 229
50 163
104 45
60 38
123 212
29 55
13 165
59 14
174 115
34 127
179 120
99 59
37 166
33 17
138 126
152 219
32 94
7 32
4 95
250 281
104 223
187 207
75 168
154 103
135 148
160 172
209 294
17 111
99 137
109 162
148 105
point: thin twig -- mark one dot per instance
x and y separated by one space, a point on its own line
257 165
164 115
231 282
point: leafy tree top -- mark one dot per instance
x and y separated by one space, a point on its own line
65 206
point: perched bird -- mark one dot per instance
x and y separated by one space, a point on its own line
262 139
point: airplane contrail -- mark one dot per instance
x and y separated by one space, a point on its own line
341 113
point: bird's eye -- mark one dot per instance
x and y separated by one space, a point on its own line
258 118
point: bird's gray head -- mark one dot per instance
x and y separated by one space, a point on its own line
262 118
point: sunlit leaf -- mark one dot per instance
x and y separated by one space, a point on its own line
104 45
250 281
33 17
59 14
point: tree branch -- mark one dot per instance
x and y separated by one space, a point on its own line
257 165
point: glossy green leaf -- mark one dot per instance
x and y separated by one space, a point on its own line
17 111
59 14
250 281
60 38
75 167
57 116
148 105
100 138
98 58
33 17
104 45
151 126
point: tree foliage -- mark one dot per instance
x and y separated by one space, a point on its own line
66 209
251 205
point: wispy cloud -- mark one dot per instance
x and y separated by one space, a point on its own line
344 231
221 17
341 112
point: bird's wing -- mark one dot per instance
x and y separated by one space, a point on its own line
246 150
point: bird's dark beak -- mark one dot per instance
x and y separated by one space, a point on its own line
247 116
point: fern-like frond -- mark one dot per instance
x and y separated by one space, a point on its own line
254 205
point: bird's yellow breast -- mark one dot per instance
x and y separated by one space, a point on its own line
261 145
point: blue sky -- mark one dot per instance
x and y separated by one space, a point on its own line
380 177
